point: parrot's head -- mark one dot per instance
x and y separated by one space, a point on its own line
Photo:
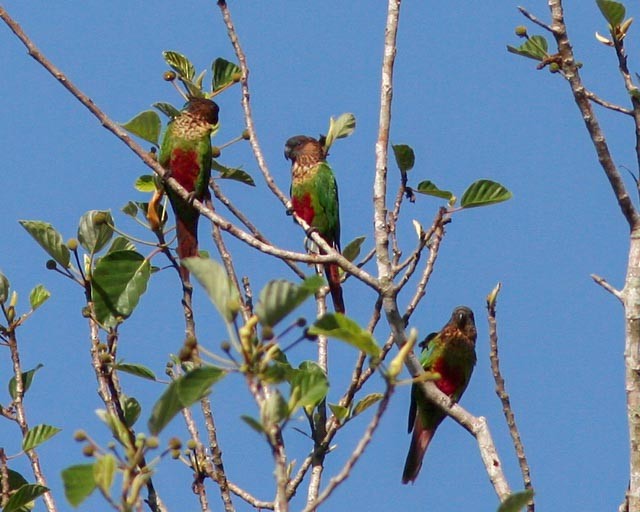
463 319
303 147
203 110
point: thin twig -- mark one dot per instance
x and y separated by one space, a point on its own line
504 396
356 454
535 20
613 291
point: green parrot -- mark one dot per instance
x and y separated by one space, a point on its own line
314 196
186 153
450 353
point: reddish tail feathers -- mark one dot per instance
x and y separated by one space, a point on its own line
333 277
419 444
187 233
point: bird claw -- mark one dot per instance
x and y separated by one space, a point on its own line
289 211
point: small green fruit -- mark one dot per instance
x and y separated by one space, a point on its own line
521 31
215 151
246 135
72 244
51 265
169 76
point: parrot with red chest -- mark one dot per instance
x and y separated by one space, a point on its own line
451 354
314 197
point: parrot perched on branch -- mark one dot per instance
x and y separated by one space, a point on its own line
314 196
186 153
451 354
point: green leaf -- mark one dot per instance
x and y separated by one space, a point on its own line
309 385
16 480
49 239
180 64
215 281
613 12
253 423
132 409
37 297
516 502
119 280
352 250
181 393
535 48
104 470
484 192
146 125
430 189
167 109
274 409
95 230
338 326
4 288
23 496
340 128
78 483
279 298
224 74
145 183
233 173
130 209
365 403
405 157
27 378
38 435
138 370
121 243
117 427
339 411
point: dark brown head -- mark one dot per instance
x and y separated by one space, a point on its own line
203 109
303 150
462 318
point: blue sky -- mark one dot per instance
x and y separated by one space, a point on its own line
470 110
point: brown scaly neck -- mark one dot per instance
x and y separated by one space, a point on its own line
191 127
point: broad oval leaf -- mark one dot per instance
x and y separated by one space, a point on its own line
215 281
49 239
104 470
16 480
138 370
131 409
613 12
535 47
167 109
182 393
484 192
430 189
145 183
233 173
180 64
4 288
95 230
405 157
352 250
38 435
516 502
146 125
23 497
38 296
365 403
339 411
341 327
339 128
27 379
224 74
78 483
121 243
118 281
274 409
309 385
130 209
117 427
279 298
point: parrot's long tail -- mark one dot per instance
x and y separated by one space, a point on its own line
332 272
419 444
187 233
